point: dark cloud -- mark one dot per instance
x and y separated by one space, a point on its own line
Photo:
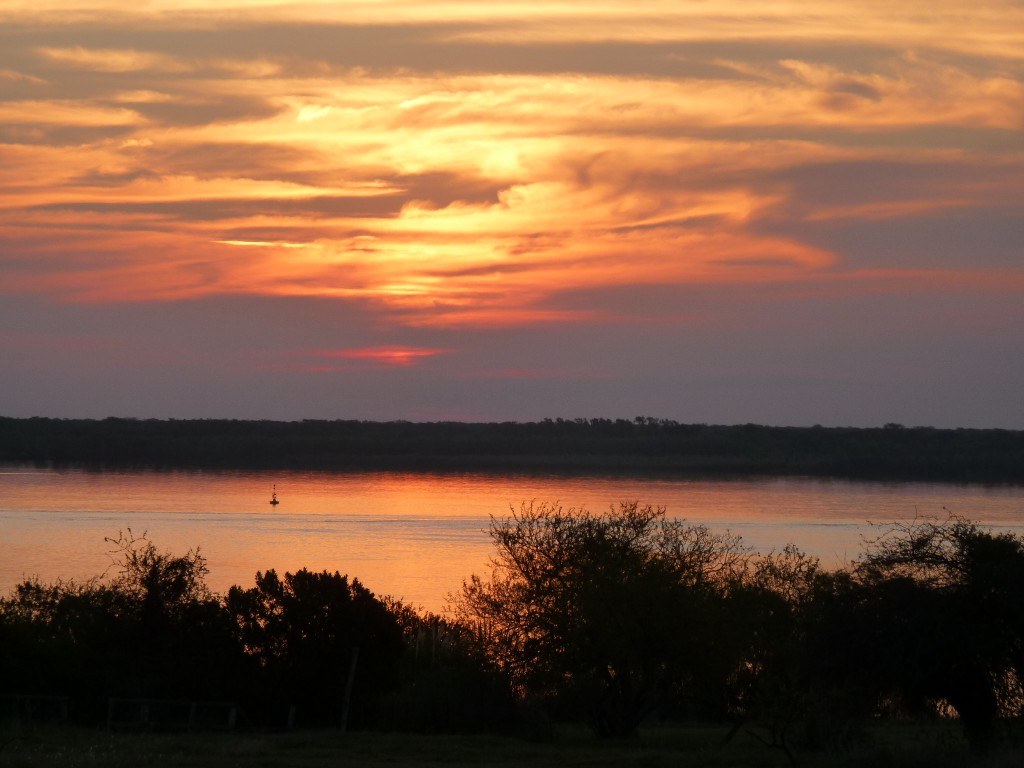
437 189
493 269
249 160
309 233
62 135
982 139
15 88
870 181
902 214
207 111
302 49
441 189
858 88
940 240
99 178
324 206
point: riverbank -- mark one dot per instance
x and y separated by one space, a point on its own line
641 447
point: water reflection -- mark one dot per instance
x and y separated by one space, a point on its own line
417 536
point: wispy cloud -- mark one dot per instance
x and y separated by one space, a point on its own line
114 59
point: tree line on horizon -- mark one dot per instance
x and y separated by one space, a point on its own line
640 445
614 619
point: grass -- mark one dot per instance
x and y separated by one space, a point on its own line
693 746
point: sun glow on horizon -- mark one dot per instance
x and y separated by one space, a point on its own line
402 357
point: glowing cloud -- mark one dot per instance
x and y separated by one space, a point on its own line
113 60
760 202
401 357
464 164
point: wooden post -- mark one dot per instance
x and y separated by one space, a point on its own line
347 700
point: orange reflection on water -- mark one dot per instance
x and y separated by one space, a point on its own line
417 536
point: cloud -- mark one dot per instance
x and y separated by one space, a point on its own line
402 357
114 60
217 209
11 75
66 114
444 169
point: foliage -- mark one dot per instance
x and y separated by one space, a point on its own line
945 604
610 618
157 582
308 632
642 445
929 622
448 685
615 612
153 629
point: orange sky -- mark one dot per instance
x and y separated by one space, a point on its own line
815 209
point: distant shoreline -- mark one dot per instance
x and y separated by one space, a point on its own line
642 446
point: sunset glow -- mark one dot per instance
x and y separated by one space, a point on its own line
764 211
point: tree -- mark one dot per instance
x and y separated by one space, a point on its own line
613 613
447 684
157 583
303 631
944 602
177 638
152 629
796 680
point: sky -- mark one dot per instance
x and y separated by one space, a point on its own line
765 211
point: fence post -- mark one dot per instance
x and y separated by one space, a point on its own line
347 700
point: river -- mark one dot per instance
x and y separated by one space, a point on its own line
416 536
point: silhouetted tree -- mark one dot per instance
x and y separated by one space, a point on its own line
613 612
447 685
643 444
179 640
943 605
801 677
152 629
59 639
303 630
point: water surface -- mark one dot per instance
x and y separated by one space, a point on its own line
416 536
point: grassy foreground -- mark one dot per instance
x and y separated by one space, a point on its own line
694 747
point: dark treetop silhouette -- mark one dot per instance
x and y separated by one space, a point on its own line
642 445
